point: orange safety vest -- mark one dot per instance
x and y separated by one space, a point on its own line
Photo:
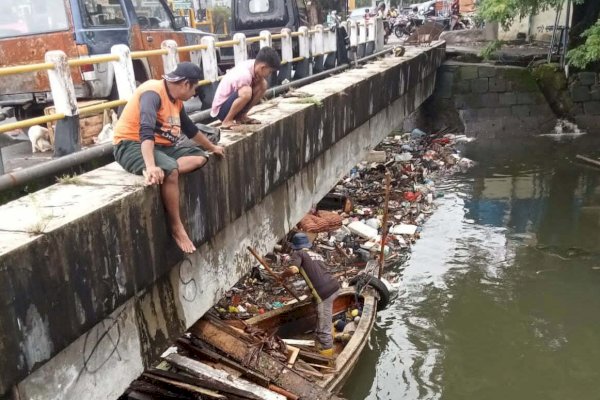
168 123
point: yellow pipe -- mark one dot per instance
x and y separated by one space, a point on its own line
30 122
20 69
313 31
254 39
296 34
148 53
78 62
101 106
204 82
278 36
194 47
227 43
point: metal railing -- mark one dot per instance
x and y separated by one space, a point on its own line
313 46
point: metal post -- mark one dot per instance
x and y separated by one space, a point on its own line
210 68
171 59
319 48
240 50
371 28
265 39
362 38
66 133
331 48
124 74
303 68
287 54
379 34
566 34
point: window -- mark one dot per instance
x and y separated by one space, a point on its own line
259 6
29 17
152 14
103 13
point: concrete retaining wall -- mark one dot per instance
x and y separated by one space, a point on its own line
489 101
584 88
93 288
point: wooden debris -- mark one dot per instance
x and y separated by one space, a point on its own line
219 335
283 392
222 381
588 160
197 348
299 342
186 386
293 356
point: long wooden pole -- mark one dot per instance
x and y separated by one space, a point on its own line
588 160
384 227
273 274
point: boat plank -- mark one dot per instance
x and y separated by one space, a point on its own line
218 335
236 386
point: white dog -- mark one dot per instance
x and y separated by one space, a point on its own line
106 135
40 139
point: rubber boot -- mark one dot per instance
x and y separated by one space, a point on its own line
329 354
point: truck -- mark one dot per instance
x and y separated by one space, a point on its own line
82 28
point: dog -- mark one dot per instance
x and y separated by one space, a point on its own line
106 135
40 139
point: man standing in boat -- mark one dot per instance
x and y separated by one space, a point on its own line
323 286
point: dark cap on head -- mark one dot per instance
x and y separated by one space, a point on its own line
300 241
185 70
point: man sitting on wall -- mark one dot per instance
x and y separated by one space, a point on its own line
243 87
148 139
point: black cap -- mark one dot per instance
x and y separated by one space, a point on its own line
185 70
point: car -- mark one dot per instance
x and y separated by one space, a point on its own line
82 28
360 13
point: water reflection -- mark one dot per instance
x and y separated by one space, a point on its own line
500 297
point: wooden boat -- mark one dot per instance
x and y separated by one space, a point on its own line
237 359
288 321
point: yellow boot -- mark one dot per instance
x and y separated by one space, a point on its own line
329 354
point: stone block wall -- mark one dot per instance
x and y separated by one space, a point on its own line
489 101
584 88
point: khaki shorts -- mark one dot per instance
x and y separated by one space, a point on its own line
129 155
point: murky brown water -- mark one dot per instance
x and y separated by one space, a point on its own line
501 298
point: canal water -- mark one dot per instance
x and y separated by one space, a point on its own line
501 297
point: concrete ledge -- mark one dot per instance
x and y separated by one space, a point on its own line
94 298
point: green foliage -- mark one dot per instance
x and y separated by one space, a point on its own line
505 11
589 51
488 52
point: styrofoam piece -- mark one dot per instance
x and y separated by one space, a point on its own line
404 229
362 230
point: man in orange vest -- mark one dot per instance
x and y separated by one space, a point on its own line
148 139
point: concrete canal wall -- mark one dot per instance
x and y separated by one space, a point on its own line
93 289
489 101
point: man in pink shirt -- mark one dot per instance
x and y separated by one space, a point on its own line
242 88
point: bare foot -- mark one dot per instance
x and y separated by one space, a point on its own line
182 239
227 124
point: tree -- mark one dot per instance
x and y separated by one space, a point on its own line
505 11
584 36
589 51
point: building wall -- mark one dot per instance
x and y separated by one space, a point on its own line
534 27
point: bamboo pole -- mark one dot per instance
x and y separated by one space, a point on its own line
384 228
273 274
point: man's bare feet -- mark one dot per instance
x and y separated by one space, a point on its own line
182 239
227 124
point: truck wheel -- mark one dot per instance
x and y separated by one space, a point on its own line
384 294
